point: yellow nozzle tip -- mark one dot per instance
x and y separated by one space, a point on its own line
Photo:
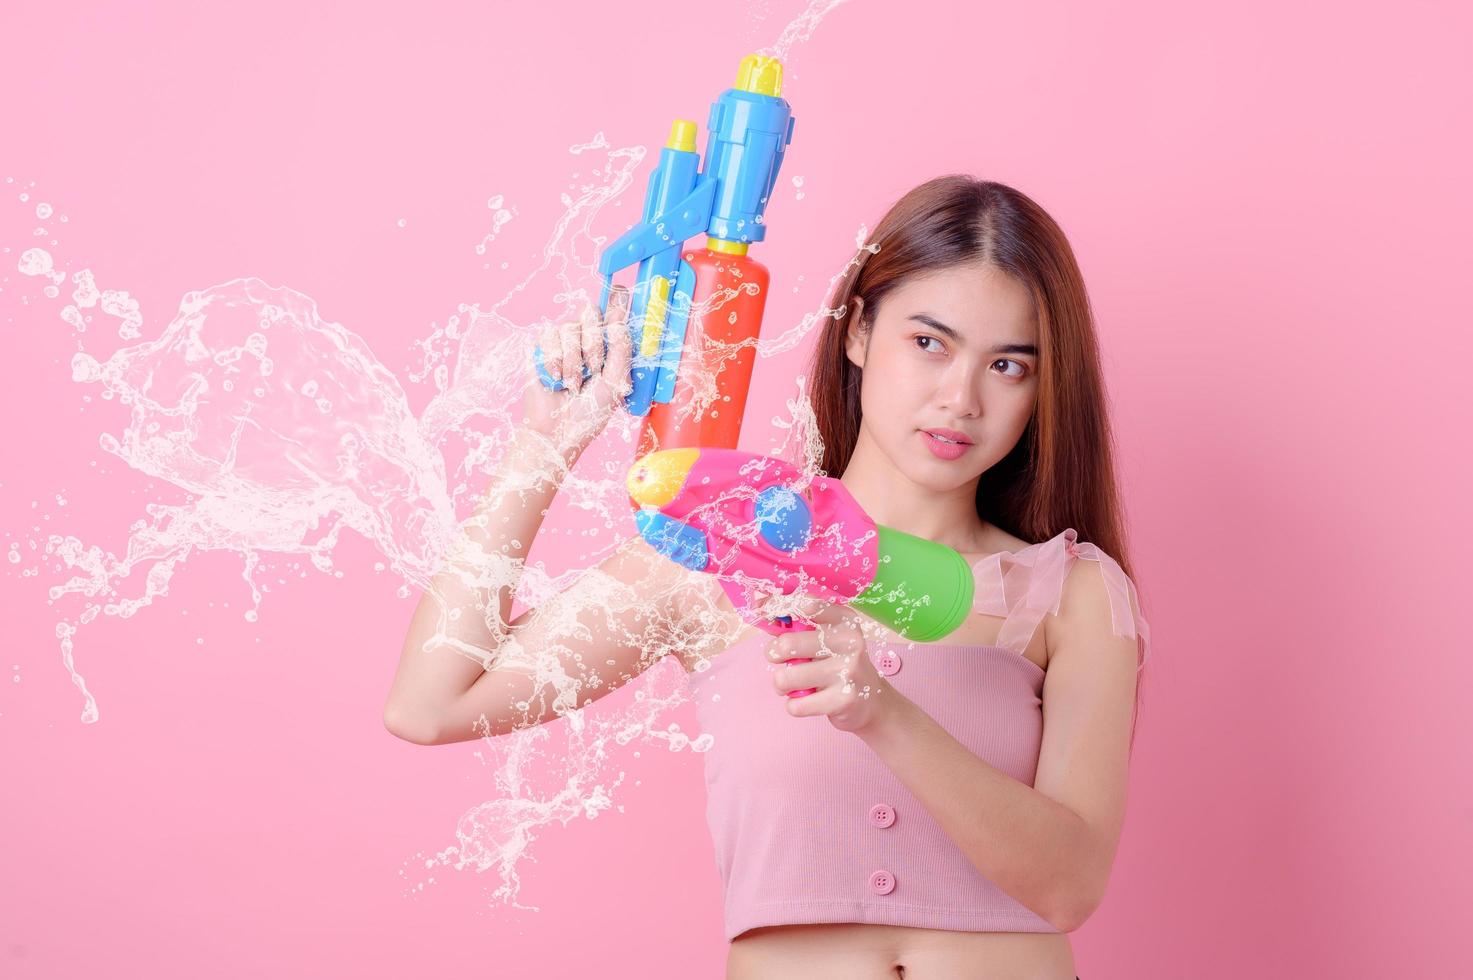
761 74
682 135
656 478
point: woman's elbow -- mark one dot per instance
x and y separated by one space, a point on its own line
406 726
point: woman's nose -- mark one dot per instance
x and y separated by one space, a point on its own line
961 393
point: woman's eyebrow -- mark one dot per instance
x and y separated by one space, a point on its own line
937 325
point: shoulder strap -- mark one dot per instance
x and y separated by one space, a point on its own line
1024 585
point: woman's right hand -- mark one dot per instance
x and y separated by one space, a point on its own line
573 417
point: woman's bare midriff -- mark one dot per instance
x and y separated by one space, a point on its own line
862 950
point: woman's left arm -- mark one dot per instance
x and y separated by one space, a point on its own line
1050 845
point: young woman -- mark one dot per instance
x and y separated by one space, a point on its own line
959 813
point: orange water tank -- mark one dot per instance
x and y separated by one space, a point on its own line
720 347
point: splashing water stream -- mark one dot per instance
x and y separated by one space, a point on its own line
284 430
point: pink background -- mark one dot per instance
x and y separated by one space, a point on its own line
1270 205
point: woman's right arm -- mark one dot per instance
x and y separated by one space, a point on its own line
615 621
462 617
464 669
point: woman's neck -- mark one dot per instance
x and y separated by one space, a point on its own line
890 497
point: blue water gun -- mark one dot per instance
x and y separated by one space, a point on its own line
749 129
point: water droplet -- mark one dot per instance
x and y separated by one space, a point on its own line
35 262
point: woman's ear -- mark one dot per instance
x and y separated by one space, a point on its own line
854 342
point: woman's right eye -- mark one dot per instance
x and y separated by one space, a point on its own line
921 337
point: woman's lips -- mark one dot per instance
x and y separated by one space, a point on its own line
945 450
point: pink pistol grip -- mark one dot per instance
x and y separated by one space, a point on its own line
793 628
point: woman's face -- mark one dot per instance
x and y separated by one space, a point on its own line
978 378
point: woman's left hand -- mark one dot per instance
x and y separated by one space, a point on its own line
849 689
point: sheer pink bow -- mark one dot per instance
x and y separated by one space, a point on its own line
1023 585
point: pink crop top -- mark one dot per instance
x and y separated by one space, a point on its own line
810 826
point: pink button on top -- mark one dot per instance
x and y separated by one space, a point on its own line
882 815
888 662
882 882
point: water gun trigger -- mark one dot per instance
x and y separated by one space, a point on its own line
776 626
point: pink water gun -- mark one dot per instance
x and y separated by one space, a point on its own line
756 524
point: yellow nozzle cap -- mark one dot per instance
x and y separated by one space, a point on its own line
657 477
760 73
682 135
725 246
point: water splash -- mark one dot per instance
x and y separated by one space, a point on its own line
283 430
800 29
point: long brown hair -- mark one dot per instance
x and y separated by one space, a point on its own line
1061 474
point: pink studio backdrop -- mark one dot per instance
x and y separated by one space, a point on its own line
1270 204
